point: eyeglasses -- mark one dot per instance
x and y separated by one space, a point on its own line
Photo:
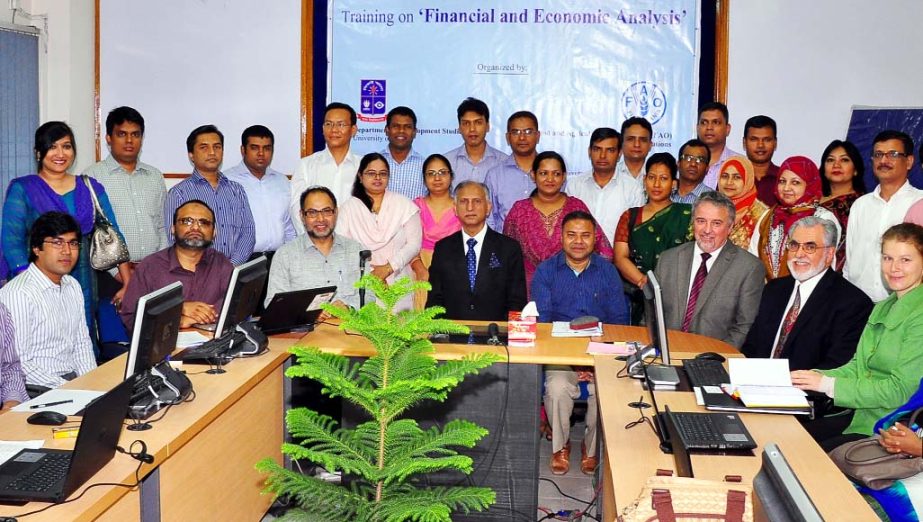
381 174
313 213
692 159
893 154
338 125
201 222
809 248
525 132
59 243
441 173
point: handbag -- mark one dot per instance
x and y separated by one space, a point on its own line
107 246
667 499
865 461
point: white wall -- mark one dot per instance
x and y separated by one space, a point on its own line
806 63
66 68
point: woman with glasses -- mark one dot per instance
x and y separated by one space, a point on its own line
798 192
535 222
737 181
841 171
53 188
643 233
385 222
437 216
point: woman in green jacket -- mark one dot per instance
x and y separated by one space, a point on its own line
888 364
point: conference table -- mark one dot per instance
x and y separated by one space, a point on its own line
205 450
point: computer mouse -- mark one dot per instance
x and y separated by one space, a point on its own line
710 356
47 418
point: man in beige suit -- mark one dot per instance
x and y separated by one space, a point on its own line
710 286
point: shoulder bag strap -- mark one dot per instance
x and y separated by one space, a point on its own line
100 215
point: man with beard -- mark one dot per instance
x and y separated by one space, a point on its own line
813 317
319 258
204 272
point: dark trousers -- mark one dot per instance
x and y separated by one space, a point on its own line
259 307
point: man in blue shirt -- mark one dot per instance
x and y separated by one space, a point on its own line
573 283
405 163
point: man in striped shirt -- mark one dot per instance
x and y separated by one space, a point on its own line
46 306
12 380
235 233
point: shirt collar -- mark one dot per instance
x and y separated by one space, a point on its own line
479 237
337 242
197 176
175 265
113 166
43 282
697 252
906 187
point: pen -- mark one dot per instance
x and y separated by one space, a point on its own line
55 403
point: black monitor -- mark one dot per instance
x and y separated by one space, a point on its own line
243 296
653 317
156 328
781 496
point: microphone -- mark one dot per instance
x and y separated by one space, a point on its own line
493 332
364 256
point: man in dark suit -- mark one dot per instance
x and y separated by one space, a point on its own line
476 273
710 286
813 317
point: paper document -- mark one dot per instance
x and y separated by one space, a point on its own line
9 448
594 348
562 329
76 400
762 383
189 339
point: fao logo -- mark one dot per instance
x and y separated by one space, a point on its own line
644 99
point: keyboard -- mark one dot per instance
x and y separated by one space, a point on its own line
704 372
209 350
51 471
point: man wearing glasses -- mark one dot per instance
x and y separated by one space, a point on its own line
46 307
204 272
875 212
814 316
694 156
509 181
319 258
334 167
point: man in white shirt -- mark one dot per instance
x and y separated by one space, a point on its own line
636 142
607 193
875 212
46 305
335 167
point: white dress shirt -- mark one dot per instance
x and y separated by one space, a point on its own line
51 330
697 261
608 203
621 170
869 218
479 237
806 288
268 197
321 169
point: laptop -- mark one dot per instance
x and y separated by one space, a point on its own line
700 431
50 475
299 309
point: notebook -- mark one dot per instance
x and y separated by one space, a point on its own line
50 475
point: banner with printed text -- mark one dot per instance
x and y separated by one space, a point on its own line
578 65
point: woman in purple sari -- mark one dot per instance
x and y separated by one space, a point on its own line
53 188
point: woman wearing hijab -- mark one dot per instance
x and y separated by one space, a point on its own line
737 181
799 192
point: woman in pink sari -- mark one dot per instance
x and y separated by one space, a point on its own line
535 222
437 216
385 222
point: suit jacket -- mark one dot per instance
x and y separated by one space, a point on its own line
500 283
728 301
828 327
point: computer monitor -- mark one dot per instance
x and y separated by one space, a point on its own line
156 328
653 317
244 290
781 496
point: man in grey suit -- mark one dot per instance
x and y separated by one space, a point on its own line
710 286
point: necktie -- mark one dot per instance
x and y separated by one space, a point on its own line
472 262
788 323
697 283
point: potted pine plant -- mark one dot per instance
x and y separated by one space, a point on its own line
385 456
